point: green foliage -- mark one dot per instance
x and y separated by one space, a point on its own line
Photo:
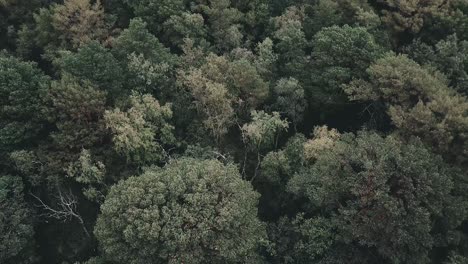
326 13
14 13
380 195
276 169
449 56
146 63
266 58
197 96
94 63
457 259
70 25
419 103
263 131
291 42
22 90
211 100
222 87
186 25
92 174
410 15
141 132
137 39
223 23
195 211
16 223
79 21
156 12
290 99
452 20
339 55
300 240
28 164
77 111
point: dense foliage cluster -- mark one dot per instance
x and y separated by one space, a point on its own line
233 131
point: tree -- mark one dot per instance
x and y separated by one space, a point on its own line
137 39
91 174
186 25
195 211
290 42
380 197
266 58
77 111
276 169
13 15
141 131
290 99
410 15
256 14
263 131
223 87
452 20
262 134
327 13
69 26
223 22
79 22
65 209
16 223
339 55
146 63
448 56
211 100
156 12
419 103
94 63
22 90
245 83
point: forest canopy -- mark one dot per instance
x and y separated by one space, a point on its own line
233 131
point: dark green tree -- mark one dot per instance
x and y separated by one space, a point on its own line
290 42
156 12
372 198
77 112
22 90
16 223
223 22
146 63
449 56
290 100
195 211
95 64
339 55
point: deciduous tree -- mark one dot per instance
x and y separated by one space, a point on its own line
195 211
380 197
16 223
22 90
419 103
339 55
141 131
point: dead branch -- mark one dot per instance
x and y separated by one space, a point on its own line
66 209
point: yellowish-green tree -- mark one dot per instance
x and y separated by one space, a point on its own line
142 130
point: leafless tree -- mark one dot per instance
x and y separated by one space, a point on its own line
65 210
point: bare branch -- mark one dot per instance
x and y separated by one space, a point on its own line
66 209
